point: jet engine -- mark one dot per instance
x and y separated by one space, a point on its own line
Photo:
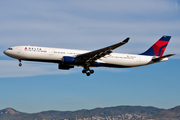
68 60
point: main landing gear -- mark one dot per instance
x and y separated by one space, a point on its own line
88 71
20 64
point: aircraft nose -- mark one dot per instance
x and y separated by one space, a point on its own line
5 52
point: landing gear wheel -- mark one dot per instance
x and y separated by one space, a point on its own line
87 70
83 71
20 64
88 73
91 71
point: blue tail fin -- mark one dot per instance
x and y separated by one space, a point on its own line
158 48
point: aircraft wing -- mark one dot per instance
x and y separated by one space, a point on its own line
97 54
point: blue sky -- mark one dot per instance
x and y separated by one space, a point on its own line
88 25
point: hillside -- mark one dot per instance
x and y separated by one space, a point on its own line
119 112
169 114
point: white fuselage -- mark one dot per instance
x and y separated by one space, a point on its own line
55 55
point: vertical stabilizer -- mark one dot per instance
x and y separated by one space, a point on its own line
158 48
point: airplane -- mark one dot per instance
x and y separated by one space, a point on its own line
69 58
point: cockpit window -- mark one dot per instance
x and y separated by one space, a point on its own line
10 49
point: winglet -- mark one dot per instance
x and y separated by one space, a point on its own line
126 40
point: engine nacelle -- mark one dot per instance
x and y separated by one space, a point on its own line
65 67
68 60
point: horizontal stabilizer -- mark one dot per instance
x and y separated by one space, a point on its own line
156 59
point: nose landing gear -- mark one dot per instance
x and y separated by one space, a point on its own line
20 64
